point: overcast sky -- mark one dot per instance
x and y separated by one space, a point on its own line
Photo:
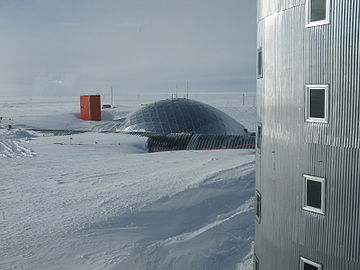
62 47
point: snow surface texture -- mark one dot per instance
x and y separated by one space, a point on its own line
100 201
12 143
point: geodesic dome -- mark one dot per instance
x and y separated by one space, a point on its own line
181 115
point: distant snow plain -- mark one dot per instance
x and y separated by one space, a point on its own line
100 201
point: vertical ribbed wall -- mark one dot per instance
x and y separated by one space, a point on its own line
294 56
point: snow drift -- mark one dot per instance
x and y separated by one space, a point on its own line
100 201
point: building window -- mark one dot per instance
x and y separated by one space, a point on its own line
259 136
256 263
306 264
317 97
258 206
259 63
317 12
314 194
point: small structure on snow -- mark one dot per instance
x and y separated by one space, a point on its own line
90 107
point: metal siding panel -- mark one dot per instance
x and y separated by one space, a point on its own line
95 108
293 57
84 108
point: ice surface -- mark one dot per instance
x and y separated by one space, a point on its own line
100 201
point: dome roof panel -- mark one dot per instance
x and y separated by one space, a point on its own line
178 115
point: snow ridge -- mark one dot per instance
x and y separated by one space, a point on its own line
247 206
208 226
12 144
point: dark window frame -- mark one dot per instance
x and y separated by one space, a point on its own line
259 137
260 63
258 205
321 180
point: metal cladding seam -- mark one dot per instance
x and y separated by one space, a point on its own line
294 56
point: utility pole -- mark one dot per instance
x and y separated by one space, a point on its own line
112 98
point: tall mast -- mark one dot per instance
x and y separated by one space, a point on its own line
187 89
112 97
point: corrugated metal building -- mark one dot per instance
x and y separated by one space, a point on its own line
90 108
308 157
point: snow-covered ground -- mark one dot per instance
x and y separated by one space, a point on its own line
63 112
100 201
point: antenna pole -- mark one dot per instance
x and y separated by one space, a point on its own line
112 97
187 89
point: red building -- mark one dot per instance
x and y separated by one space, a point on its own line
90 108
